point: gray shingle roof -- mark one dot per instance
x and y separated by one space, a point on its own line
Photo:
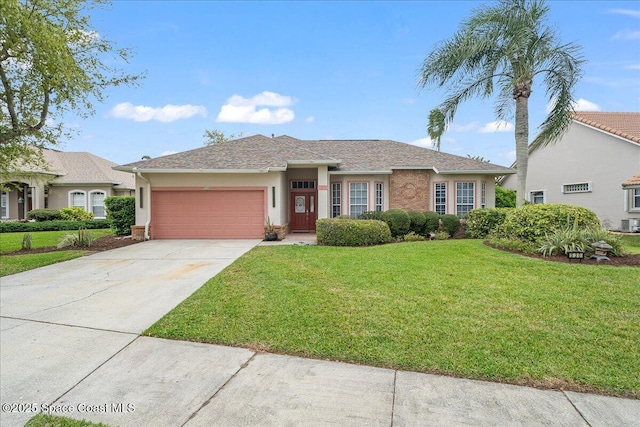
261 153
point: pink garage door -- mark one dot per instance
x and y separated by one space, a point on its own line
214 214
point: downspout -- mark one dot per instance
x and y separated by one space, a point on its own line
148 204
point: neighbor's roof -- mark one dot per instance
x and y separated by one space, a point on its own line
625 125
634 180
260 153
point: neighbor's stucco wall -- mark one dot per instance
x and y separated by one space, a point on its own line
585 154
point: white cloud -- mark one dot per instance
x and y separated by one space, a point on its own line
168 113
463 128
408 101
244 110
584 105
627 35
632 67
629 12
310 119
497 126
423 142
167 152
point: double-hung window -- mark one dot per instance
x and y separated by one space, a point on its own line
379 196
4 202
358 200
96 199
78 199
465 193
336 199
537 197
636 198
440 202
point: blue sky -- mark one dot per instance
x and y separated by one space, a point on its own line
324 70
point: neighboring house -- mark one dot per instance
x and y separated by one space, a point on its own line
587 165
70 179
229 189
631 189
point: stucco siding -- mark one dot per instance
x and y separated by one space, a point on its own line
585 155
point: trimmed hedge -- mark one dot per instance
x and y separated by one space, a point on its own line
15 226
44 215
417 220
431 223
121 213
398 221
481 222
532 222
450 223
352 232
505 198
75 214
371 215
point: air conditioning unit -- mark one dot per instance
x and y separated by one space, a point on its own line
630 226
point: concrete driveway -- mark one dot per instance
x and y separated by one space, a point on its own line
61 322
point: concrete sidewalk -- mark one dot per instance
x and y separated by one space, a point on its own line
70 344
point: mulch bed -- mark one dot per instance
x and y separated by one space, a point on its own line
617 261
98 245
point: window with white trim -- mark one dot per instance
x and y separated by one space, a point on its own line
440 202
78 199
4 202
379 196
358 198
465 192
635 195
96 201
483 194
537 197
336 199
582 187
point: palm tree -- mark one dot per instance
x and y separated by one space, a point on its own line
436 126
507 45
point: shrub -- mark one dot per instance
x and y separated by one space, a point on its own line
15 226
512 244
81 239
505 198
481 222
431 223
398 221
121 213
371 215
572 238
450 223
441 235
75 214
26 241
416 221
413 237
44 215
351 232
532 222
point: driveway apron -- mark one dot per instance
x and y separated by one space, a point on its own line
62 322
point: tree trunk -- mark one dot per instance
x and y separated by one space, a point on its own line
522 147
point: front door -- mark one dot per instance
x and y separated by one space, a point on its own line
303 211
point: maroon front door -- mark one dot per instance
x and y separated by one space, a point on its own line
303 211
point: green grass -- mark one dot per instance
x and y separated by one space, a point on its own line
42 420
453 307
12 264
631 243
10 242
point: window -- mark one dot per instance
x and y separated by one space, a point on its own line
296 185
441 197
358 202
379 196
583 187
483 194
78 199
97 203
537 197
464 198
46 198
636 198
336 199
4 202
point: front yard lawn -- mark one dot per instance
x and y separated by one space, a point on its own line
453 307
632 243
17 263
10 242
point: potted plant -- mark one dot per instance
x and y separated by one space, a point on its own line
270 234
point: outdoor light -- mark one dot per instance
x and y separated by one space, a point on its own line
20 199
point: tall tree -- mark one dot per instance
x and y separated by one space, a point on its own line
505 46
436 126
51 62
215 136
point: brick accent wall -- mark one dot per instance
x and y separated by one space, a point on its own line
410 189
281 230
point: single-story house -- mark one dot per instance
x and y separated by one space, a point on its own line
230 189
586 166
69 179
631 188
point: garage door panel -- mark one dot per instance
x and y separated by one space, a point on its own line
208 214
